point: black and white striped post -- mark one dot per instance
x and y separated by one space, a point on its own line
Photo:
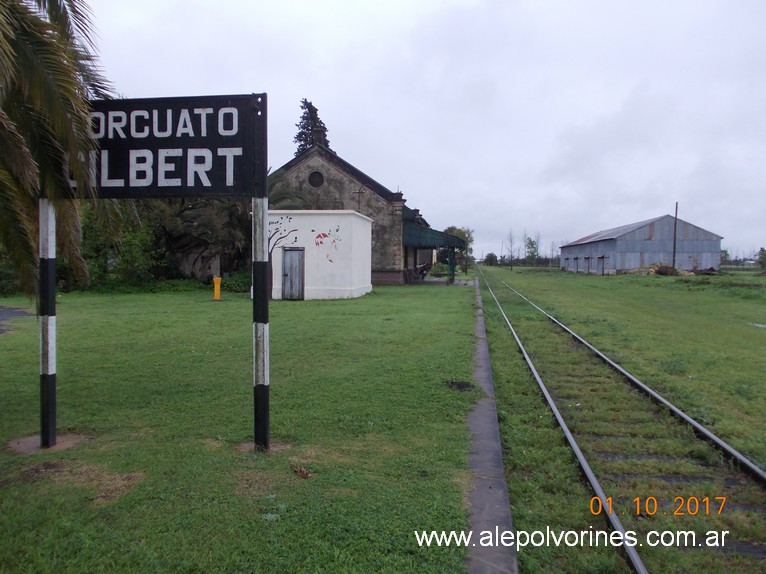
261 285
47 313
261 321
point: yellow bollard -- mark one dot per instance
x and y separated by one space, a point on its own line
216 288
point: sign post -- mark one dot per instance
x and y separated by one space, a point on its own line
261 321
206 146
47 313
261 303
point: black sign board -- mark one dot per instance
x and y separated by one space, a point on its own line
180 147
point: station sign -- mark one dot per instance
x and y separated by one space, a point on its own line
180 147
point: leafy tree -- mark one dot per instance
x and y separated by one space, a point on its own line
164 232
762 258
98 247
311 129
134 261
532 252
202 228
47 75
467 235
7 279
510 248
463 233
490 259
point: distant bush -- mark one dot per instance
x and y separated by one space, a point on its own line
8 285
238 282
134 260
439 268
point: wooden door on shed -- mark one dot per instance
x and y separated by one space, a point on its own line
292 273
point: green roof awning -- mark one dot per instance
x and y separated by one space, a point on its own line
423 237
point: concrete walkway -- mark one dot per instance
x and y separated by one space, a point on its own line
490 508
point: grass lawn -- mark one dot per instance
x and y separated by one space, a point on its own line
167 480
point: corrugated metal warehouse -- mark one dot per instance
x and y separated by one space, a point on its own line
639 245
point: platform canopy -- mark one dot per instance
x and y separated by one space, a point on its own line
417 233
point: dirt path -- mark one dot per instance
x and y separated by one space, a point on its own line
7 313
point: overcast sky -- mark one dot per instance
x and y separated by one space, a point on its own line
555 117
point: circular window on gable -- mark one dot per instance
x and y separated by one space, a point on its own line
316 179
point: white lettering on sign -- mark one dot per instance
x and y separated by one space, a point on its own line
105 180
117 121
142 130
141 168
175 165
184 125
234 115
170 166
229 153
203 113
199 168
156 124
112 125
166 167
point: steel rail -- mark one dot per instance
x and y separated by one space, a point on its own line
633 557
747 464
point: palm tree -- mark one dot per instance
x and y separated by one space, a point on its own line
47 75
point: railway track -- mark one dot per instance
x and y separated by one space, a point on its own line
665 483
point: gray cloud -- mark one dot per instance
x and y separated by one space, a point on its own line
561 117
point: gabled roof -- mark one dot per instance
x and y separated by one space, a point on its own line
617 232
613 233
415 229
334 159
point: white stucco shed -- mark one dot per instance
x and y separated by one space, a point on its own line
323 254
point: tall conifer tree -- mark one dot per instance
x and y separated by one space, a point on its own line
311 129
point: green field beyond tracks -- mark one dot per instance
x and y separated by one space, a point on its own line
699 341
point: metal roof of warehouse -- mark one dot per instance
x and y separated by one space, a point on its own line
617 232
613 233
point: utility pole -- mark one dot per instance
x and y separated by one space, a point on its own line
675 231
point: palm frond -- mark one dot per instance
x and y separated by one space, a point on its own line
6 51
47 73
15 155
48 87
18 229
72 20
69 236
